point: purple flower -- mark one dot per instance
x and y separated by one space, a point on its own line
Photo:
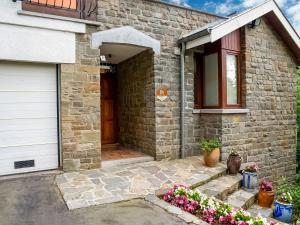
266 185
243 223
227 219
209 215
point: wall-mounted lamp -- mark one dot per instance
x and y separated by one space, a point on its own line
254 23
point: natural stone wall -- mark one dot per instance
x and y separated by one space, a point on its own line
267 135
80 107
165 23
136 109
197 126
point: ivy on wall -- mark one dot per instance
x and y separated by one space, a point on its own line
298 117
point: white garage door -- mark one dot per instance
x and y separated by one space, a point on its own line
28 118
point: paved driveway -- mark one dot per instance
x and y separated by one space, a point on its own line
102 186
37 201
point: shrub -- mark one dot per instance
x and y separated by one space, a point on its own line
295 194
298 116
289 193
210 144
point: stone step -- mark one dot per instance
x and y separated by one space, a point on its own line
110 147
110 164
221 187
201 176
242 199
267 213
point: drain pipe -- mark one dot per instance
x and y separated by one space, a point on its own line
182 86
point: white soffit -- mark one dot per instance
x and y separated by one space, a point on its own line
125 36
242 19
116 53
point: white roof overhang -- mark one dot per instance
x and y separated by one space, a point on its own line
122 40
269 9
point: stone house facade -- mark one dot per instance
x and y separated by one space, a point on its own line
162 55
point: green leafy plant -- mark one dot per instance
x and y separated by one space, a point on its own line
298 178
286 198
241 215
210 144
289 193
194 195
295 193
283 191
223 209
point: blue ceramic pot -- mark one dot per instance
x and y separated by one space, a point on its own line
283 212
250 180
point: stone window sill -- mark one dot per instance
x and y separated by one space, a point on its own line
221 111
49 16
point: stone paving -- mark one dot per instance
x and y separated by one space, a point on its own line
100 186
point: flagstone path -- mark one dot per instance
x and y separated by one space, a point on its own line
100 186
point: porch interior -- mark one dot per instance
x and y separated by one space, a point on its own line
127 105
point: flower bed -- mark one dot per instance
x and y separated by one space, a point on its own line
209 209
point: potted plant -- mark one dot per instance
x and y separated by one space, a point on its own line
283 208
250 179
234 162
286 200
265 194
211 148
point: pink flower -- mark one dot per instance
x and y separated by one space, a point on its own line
227 219
191 206
253 168
209 215
243 223
266 185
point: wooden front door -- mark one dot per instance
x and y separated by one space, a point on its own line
109 131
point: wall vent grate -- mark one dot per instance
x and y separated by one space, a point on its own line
24 164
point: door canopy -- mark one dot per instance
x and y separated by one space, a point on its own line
124 42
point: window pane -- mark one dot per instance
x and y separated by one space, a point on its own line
232 79
211 88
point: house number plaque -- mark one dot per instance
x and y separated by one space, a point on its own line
162 93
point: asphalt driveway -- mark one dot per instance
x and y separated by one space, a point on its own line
37 201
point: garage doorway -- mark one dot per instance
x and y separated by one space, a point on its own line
28 117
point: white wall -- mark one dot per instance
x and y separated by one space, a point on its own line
36 39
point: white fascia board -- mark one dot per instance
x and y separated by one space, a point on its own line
287 26
9 15
241 20
198 42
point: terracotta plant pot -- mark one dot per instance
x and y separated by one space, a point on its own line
234 164
265 198
211 158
